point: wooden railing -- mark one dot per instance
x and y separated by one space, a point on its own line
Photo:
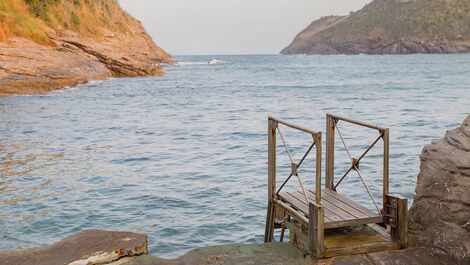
273 131
332 122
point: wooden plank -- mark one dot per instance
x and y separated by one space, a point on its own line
361 249
353 211
355 222
285 196
292 211
334 218
344 214
382 231
297 236
301 205
341 214
350 202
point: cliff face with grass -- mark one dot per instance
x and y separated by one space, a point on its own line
390 27
51 44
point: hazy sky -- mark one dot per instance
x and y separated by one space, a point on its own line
231 26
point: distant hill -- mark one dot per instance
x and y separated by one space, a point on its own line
51 44
390 27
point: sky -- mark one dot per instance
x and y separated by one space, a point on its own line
203 27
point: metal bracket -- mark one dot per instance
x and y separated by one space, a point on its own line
294 169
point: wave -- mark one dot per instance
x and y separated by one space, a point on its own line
211 61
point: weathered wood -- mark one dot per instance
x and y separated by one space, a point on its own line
269 230
316 230
349 202
357 122
293 126
301 206
360 249
330 152
351 208
351 213
386 140
292 211
309 213
403 220
318 144
343 212
397 213
297 236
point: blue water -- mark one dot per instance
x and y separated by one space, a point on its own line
183 157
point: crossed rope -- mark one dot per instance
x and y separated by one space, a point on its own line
355 163
294 166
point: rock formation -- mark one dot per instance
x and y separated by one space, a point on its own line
440 215
85 248
390 27
73 53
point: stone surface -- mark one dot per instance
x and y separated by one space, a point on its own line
28 68
409 257
390 27
439 218
282 253
72 58
86 248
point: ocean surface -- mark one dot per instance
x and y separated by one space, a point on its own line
183 157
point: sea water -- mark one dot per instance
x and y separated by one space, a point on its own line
183 157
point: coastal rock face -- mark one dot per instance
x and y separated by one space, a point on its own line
85 248
88 50
440 215
390 27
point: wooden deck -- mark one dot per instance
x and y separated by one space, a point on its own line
339 210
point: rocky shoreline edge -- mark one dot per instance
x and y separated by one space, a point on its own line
439 229
29 68
71 58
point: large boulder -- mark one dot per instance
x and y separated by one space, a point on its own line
90 247
440 215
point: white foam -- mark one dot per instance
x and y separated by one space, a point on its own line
212 61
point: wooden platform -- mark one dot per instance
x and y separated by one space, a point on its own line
339 210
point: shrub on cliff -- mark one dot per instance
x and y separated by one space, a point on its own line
30 18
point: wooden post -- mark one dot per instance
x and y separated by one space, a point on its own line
318 169
269 231
316 230
403 221
397 214
386 139
330 152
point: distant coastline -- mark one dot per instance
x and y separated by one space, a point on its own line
390 27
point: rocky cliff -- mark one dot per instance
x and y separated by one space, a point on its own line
440 215
51 44
390 27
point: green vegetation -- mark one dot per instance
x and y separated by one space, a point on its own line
29 18
439 19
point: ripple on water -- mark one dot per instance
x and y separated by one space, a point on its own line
183 157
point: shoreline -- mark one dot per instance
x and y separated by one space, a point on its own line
127 248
